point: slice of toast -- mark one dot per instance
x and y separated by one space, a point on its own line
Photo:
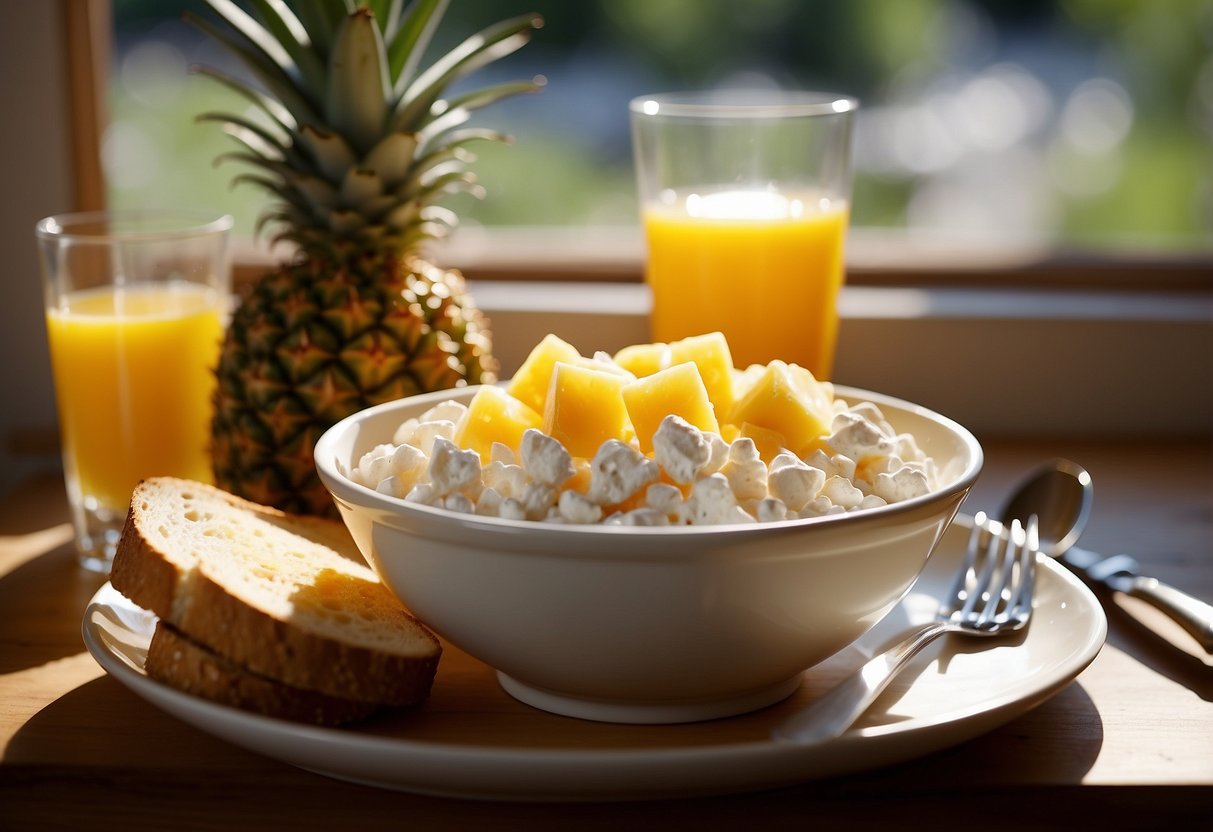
182 663
284 597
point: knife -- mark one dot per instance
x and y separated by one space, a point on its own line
1121 573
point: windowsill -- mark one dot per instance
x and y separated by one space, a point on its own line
1007 363
875 257
1013 340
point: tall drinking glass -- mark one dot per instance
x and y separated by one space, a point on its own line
135 309
745 201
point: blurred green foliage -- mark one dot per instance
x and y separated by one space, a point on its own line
571 164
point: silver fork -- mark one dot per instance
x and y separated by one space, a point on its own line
990 595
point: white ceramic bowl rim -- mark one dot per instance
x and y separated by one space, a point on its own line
326 463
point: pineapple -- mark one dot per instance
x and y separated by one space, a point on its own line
711 355
709 352
530 384
788 401
585 408
494 415
770 443
643 359
678 390
357 143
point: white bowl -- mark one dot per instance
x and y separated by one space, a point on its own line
647 624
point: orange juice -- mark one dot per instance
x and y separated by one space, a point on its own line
134 374
763 268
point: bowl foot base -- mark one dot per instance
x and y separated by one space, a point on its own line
643 712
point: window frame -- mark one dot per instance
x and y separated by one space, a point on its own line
87 33
531 278
874 257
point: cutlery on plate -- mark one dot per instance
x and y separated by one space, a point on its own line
1060 493
990 595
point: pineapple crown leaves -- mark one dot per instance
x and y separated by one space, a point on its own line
347 129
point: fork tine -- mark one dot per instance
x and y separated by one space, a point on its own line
1022 600
1005 570
982 585
953 600
1010 558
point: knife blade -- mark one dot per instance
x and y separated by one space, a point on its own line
1122 573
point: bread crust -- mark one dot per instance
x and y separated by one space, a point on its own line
197 605
181 663
277 649
141 573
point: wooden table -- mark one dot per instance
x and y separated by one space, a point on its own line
1128 745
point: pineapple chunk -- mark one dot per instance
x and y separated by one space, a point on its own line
643 359
787 399
743 380
770 443
820 393
604 365
585 408
494 415
711 355
677 390
530 384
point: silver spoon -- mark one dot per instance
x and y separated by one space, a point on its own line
1059 493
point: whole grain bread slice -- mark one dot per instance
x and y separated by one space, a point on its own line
180 662
283 596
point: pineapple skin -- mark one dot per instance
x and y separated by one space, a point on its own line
315 341
357 140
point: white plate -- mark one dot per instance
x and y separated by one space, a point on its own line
472 740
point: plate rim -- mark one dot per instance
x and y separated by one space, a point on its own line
723 767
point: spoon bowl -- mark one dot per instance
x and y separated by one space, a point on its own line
1059 493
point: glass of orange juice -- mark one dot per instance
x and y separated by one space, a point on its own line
745 197
135 309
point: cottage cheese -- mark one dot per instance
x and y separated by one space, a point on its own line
693 477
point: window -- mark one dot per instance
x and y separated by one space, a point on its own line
1106 317
1080 123
1033 197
